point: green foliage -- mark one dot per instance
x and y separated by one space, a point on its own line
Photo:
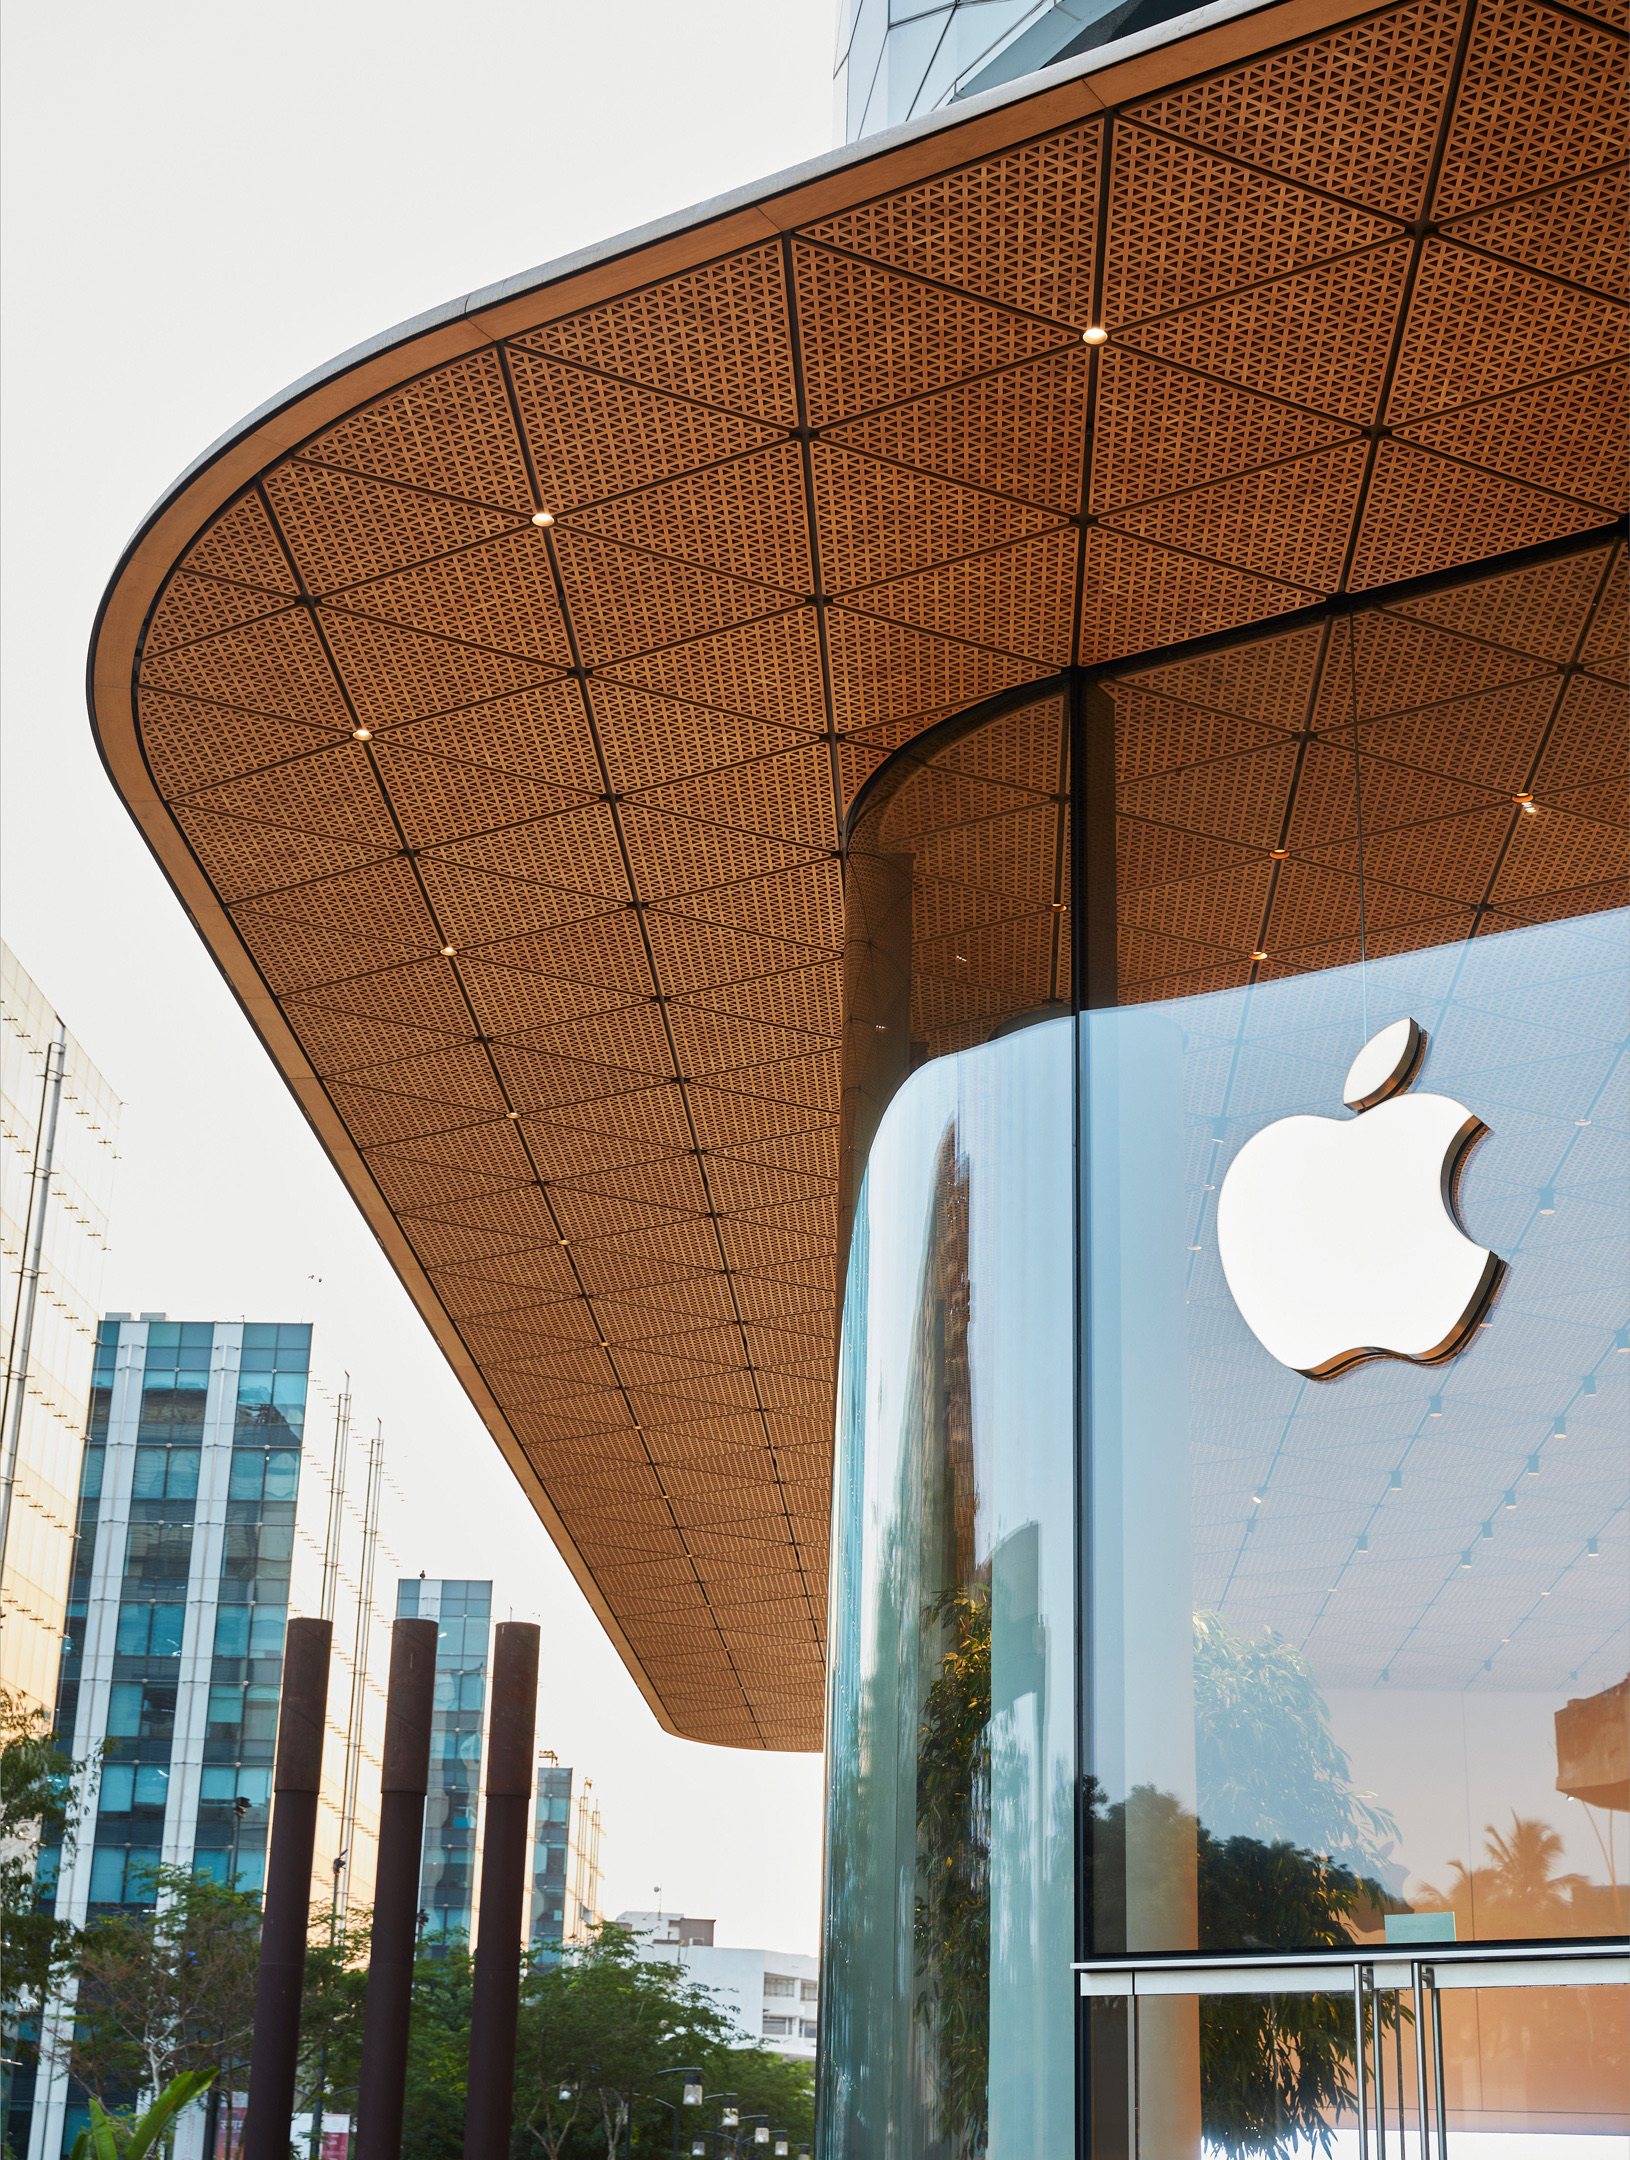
39 1808
608 2032
331 2012
951 1923
134 2137
438 2064
167 1991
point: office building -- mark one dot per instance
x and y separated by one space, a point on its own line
450 1874
1012 720
59 1123
772 1997
564 1906
207 1508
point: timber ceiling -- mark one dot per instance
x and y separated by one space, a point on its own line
519 840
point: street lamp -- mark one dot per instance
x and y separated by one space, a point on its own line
781 2145
690 2095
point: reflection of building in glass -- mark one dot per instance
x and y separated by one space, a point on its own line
59 1121
772 1997
1077 618
204 1513
452 1823
896 63
566 1869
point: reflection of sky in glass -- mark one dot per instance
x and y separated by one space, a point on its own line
1446 1545
1376 1488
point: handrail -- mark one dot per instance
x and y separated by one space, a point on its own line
1418 1953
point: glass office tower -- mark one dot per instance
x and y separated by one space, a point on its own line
452 1826
551 1838
177 1606
1157 1654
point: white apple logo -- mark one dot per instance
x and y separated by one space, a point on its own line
1339 1239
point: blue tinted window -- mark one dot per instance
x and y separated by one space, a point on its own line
232 1631
254 1391
90 1473
168 1622
132 1636
282 1476
181 1481
218 1782
107 1875
257 1361
163 1334
141 1874
266 1631
197 1334
190 1359
118 1780
289 1391
193 1383
248 1474
210 1862
152 1784
156 1375
293 1361
293 1335
124 1709
148 1481
258 1336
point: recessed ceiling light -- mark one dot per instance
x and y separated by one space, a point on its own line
543 517
360 734
1259 956
512 1114
1097 335
1279 854
448 951
1525 802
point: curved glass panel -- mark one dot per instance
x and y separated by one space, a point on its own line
948 2026
1357 1644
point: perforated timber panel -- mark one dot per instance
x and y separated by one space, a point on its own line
809 497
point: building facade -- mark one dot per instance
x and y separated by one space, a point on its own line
59 1123
772 1997
450 1871
565 1898
204 1513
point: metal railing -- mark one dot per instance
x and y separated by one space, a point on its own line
1369 1973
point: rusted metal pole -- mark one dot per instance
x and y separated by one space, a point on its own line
301 1716
495 2000
403 1781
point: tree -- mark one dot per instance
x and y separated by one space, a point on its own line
331 2011
601 2034
39 1809
1518 1893
166 1990
438 2063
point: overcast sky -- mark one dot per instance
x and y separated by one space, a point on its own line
201 203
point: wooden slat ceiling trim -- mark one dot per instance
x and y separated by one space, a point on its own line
519 841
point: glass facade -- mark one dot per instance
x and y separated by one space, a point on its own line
178 1600
452 1825
897 59
1147 1647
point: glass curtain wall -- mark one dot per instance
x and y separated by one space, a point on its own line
1350 1628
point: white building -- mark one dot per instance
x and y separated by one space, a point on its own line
772 1996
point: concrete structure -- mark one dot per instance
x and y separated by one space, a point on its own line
207 1510
772 1996
59 1123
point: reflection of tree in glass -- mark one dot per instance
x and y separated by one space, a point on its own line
1518 1893
951 1926
951 1656
1267 1764
1274 2069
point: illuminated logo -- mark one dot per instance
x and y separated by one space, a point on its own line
1339 1237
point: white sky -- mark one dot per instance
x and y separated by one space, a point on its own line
201 203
